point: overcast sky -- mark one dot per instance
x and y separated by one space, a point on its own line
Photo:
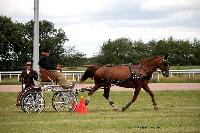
89 23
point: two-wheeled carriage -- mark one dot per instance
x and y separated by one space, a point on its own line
32 99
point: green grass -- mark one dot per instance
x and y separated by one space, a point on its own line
10 82
179 112
74 68
184 67
176 79
180 79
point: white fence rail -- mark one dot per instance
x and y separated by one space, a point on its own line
189 72
77 74
74 74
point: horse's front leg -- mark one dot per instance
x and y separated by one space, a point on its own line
106 95
137 91
147 89
90 94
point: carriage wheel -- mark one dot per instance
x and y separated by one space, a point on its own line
33 102
64 101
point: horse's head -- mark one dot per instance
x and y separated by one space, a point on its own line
164 66
90 72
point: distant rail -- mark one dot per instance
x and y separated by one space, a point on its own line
189 72
76 75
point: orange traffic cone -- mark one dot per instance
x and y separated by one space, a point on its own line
81 108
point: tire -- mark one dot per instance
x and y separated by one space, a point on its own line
64 101
32 102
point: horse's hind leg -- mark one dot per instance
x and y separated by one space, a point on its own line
147 89
137 91
106 95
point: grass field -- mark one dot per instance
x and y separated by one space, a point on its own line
179 112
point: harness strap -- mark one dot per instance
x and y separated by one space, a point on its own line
132 71
110 74
140 67
133 74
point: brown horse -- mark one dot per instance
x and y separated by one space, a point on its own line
130 76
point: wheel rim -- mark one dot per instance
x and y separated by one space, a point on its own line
33 102
63 101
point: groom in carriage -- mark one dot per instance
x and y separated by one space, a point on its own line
27 78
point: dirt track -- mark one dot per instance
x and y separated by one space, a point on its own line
153 86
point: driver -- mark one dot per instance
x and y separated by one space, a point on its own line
55 70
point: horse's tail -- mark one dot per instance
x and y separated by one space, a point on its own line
89 72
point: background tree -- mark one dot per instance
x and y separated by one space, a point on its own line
11 44
16 44
122 51
196 52
49 38
73 58
140 51
125 51
115 52
179 50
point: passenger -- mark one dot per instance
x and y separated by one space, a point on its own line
46 64
27 79
28 75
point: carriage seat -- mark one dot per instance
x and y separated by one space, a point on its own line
47 76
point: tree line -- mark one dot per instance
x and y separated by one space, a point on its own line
16 47
125 50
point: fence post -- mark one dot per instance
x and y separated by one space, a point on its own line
170 75
158 76
18 77
73 76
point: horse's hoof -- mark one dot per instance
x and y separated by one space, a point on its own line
156 108
115 109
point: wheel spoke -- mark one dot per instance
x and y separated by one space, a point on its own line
62 101
33 102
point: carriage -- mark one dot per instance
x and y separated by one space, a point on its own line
32 99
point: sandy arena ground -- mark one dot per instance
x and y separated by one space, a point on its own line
153 86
